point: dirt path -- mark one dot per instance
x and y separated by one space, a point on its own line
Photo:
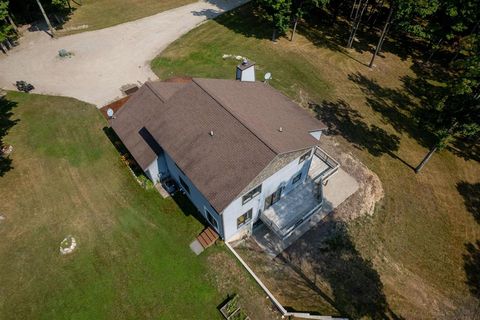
103 60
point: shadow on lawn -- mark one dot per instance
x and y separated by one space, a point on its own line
471 197
355 286
246 21
187 207
471 263
343 120
396 107
6 123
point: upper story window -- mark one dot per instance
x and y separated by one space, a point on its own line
251 194
305 156
184 185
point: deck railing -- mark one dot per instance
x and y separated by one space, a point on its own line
330 161
287 230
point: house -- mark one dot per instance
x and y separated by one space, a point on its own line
239 149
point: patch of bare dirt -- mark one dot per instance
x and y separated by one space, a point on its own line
369 193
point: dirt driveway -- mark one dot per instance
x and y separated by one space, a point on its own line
105 59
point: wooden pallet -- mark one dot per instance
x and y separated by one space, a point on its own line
207 237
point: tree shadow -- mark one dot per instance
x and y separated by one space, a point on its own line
6 123
330 37
28 12
471 197
343 120
246 21
398 109
356 289
466 148
471 264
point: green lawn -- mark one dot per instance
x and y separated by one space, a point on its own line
98 14
417 239
132 258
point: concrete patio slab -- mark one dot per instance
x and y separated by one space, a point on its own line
196 247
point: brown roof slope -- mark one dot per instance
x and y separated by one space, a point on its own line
245 118
220 166
264 110
137 111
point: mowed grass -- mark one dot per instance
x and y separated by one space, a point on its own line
98 14
416 239
132 260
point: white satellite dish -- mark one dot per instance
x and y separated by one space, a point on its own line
268 76
110 112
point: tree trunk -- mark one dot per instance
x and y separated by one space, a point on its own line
4 49
14 26
353 8
46 19
274 35
425 160
434 50
294 28
382 36
355 25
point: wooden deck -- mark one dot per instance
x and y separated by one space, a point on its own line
207 237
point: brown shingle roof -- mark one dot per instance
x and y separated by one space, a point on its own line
264 111
245 118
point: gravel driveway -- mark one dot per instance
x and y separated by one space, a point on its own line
105 59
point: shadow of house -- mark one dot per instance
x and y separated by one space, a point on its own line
6 123
471 263
180 199
355 288
343 120
471 197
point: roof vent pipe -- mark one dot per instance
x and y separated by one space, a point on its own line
280 129
211 133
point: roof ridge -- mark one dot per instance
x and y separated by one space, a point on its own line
238 118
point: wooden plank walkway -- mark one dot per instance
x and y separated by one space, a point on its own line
207 237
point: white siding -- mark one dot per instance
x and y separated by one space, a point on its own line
247 74
157 169
316 134
283 177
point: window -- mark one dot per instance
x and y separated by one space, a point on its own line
244 218
252 194
184 185
297 178
274 197
211 219
305 156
